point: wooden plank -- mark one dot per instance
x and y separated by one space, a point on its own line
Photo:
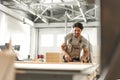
7 67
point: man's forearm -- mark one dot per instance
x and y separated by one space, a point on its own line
85 55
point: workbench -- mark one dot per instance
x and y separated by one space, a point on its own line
35 70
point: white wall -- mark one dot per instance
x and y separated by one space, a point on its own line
33 43
17 31
3 28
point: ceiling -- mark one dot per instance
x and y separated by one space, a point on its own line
51 11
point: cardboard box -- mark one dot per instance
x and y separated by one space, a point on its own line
53 57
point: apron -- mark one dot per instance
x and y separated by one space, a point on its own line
74 48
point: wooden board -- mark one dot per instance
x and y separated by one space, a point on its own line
7 66
53 57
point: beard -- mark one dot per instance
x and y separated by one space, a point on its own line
76 35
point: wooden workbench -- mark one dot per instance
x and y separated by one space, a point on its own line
26 70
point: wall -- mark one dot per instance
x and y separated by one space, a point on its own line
17 31
3 28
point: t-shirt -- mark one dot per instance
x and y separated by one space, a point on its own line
75 45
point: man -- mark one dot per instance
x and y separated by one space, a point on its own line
73 45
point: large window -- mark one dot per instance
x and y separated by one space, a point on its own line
50 40
60 39
47 40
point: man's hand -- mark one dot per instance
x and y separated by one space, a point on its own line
68 58
85 55
83 59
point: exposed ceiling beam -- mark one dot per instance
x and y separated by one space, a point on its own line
53 18
68 9
76 17
90 10
24 6
47 10
15 15
81 10
42 13
69 24
29 9
68 15
63 3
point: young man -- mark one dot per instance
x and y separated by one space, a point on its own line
74 43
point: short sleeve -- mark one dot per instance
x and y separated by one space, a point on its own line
67 37
85 42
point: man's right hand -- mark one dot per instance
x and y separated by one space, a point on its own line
68 58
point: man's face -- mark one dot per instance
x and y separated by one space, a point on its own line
76 31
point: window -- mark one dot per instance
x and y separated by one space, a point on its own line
60 39
47 40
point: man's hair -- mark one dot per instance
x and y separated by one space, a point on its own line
78 24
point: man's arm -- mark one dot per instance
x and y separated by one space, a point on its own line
67 56
85 55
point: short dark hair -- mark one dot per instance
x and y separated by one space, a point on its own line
78 24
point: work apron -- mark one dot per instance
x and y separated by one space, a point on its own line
74 49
